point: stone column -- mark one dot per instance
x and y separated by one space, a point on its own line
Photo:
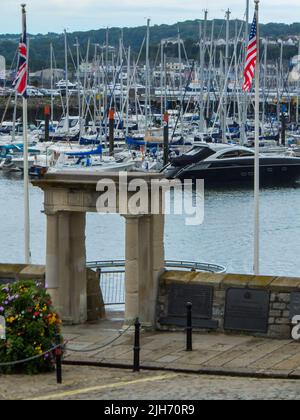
158 266
78 284
52 259
132 267
144 265
66 265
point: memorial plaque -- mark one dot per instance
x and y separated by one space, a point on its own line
247 310
202 299
295 305
200 296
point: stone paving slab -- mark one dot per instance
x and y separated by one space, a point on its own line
212 352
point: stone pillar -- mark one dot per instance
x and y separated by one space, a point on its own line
66 265
158 266
52 259
132 267
78 283
144 265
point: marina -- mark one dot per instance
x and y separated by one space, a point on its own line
150 205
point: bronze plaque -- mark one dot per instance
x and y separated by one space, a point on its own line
200 296
247 310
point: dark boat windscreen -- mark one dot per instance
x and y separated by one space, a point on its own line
195 155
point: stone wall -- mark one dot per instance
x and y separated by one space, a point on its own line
10 273
95 302
280 289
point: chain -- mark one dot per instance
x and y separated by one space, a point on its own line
101 347
30 359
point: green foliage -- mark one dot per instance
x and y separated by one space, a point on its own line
31 326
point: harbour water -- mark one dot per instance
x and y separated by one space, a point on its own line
226 236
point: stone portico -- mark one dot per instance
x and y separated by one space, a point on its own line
68 197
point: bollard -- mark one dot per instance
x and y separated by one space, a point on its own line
189 328
58 354
137 348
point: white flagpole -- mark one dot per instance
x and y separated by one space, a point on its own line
256 170
26 166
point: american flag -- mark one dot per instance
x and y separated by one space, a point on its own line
251 57
20 81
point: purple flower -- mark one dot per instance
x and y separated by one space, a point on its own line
1 309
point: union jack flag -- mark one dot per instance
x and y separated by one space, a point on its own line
251 57
20 82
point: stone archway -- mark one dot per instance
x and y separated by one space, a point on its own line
68 197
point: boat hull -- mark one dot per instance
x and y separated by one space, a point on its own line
271 173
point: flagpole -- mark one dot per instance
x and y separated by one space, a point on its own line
26 165
257 166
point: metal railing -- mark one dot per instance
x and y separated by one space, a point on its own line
112 276
184 265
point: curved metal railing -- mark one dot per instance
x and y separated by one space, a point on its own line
183 265
112 276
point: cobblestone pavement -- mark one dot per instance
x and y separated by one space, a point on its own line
213 352
114 384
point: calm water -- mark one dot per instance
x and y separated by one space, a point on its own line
226 237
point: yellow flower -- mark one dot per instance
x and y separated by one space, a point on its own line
11 319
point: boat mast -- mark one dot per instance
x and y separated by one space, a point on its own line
121 74
162 44
51 82
228 13
278 91
106 85
147 98
211 66
245 97
265 85
78 83
202 40
298 85
180 82
128 90
67 83
13 138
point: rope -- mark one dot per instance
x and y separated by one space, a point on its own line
101 347
30 359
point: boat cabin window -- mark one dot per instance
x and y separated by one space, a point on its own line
229 155
194 151
246 153
236 153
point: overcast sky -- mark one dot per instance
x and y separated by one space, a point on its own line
80 15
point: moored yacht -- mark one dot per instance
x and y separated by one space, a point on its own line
224 164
